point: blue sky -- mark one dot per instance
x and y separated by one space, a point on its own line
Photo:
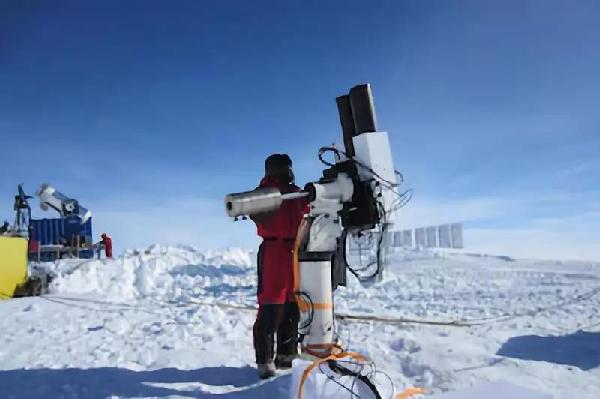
149 112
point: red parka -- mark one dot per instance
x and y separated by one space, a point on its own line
106 240
276 253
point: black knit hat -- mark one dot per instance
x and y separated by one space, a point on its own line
278 166
276 163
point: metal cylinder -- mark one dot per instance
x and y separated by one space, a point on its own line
363 109
261 200
315 284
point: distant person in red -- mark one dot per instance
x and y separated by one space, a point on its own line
107 245
278 312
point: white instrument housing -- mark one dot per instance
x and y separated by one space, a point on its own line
374 155
51 198
329 197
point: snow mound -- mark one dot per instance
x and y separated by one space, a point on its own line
165 273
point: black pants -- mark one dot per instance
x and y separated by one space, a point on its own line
280 320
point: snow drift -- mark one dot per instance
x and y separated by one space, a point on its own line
145 325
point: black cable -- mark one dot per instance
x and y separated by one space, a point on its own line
360 367
323 150
386 375
401 200
354 270
335 381
304 327
336 367
378 261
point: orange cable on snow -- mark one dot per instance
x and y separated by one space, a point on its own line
410 392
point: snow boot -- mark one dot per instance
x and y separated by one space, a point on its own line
266 370
284 361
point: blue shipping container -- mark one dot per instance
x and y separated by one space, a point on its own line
50 231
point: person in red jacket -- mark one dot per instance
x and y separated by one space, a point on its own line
278 312
107 245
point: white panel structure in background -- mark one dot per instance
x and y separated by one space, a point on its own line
397 239
420 238
407 238
444 236
456 230
431 237
389 238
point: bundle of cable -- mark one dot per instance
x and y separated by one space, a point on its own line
338 376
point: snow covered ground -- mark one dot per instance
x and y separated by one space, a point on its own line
143 326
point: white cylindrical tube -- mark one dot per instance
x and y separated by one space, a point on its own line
291 196
263 199
316 303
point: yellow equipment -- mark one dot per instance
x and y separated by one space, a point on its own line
13 264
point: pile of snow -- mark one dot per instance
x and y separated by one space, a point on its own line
164 273
143 325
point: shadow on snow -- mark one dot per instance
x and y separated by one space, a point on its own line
208 270
580 349
228 382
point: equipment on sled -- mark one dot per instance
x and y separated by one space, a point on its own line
70 235
41 240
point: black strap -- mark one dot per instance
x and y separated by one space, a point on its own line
279 239
315 256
